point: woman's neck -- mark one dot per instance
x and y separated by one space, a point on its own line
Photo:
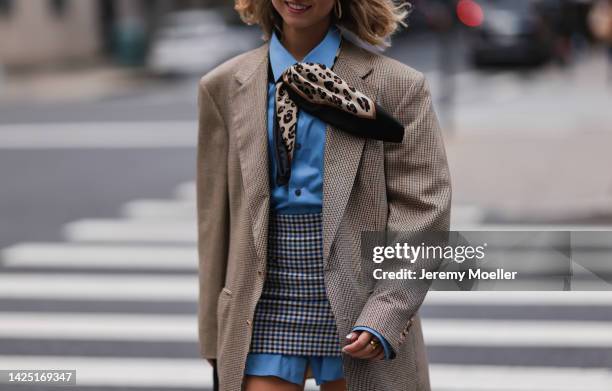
299 42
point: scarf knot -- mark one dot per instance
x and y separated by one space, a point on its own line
316 89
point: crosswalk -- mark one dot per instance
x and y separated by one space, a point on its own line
116 300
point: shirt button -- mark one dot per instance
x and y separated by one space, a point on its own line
298 192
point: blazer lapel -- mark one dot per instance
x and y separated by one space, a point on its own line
250 111
342 150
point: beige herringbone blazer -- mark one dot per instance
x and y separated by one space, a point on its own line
368 185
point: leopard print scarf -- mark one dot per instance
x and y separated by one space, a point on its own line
316 89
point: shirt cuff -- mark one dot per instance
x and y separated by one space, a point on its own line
389 353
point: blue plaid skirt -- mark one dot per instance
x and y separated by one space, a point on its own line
293 314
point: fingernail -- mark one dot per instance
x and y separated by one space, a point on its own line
349 336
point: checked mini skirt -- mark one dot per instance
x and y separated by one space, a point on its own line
293 315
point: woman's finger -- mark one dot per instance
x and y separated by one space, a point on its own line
363 349
355 348
367 353
371 353
352 336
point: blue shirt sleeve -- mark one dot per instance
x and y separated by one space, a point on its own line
389 353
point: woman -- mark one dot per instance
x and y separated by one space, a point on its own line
304 143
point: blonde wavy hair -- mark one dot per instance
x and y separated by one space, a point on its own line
372 21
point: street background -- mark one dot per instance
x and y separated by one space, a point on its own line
98 265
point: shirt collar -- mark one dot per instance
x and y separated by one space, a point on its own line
323 53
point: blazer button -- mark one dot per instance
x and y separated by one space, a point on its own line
298 192
248 322
260 273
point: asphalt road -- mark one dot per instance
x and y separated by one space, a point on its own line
45 189
116 298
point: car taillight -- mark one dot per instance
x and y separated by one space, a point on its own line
470 13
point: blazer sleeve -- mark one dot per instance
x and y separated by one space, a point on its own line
419 198
212 216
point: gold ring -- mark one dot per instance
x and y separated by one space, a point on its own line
374 343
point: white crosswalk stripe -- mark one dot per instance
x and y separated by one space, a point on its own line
98 287
156 209
124 372
85 256
125 230
465 332
502 378
180 134
148 257
438 332
138 327
520 298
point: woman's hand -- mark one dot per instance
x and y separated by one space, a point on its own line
359 346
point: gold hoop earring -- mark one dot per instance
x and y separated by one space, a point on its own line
338 9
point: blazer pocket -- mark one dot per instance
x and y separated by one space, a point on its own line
226 291
222 305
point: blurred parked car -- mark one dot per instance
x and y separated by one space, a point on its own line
512 32
194 41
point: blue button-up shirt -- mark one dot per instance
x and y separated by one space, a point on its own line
304 192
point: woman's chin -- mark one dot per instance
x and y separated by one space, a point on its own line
299 22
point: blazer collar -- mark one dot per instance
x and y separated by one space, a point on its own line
342 151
